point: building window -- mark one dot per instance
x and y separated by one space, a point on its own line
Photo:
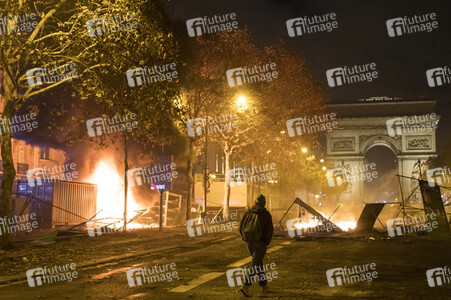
45 153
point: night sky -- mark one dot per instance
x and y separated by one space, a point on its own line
361 37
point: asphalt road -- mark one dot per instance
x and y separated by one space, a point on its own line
300 272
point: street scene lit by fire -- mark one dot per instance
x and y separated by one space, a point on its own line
175 149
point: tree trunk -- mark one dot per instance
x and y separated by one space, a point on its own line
192 188
204 213
9 173
125 180
190 178
227 183
249 203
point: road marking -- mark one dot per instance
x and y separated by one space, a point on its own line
111 272
275 248
198 281
210 276
140 296
249 259
240 262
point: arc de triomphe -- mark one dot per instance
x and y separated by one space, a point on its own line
365 124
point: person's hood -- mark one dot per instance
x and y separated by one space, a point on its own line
257 208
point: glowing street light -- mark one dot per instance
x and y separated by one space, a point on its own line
304 150
321 160
324 168
241 103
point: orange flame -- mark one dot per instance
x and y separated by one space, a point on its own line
344 225
110 192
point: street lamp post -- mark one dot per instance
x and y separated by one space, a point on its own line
160 225
304 150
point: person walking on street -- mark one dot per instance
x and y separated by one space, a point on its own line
256 230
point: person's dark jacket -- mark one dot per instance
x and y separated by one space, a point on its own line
266 222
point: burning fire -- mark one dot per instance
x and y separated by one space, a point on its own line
344 225
110 194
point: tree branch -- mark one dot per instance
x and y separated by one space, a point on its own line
6 67
50 35
29 94
41 23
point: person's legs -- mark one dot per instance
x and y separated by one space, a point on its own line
248 278
257 251
257 263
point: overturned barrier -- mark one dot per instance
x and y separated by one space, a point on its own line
313 212
368 217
